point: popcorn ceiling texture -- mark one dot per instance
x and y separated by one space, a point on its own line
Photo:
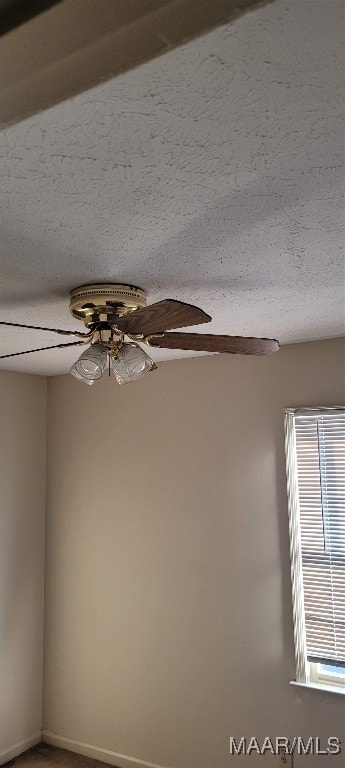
210 175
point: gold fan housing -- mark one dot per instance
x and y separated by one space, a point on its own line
105 302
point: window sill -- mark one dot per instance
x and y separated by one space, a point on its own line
325 687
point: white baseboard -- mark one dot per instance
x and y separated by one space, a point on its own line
98 753
17 749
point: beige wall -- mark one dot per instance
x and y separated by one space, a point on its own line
168 621
22 503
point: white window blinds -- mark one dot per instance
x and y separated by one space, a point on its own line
319 483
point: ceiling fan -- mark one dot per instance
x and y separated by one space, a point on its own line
112 312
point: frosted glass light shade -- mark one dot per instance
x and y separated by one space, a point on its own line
90 365
131 363
77 376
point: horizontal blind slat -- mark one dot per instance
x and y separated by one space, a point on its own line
320 453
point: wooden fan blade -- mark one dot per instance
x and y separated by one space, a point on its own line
206 342
40 328
41 349
161 317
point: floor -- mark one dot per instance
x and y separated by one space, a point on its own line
44 756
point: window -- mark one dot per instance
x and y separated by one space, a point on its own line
315 453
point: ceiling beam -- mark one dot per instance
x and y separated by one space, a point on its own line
76 44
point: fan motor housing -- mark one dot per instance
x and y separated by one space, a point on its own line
105 302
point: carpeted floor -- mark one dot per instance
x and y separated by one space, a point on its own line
44 756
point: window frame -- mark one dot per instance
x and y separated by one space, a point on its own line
307 673
324 678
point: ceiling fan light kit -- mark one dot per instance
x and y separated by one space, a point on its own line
131 363
112 313
91 364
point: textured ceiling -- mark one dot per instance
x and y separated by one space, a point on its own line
211 175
